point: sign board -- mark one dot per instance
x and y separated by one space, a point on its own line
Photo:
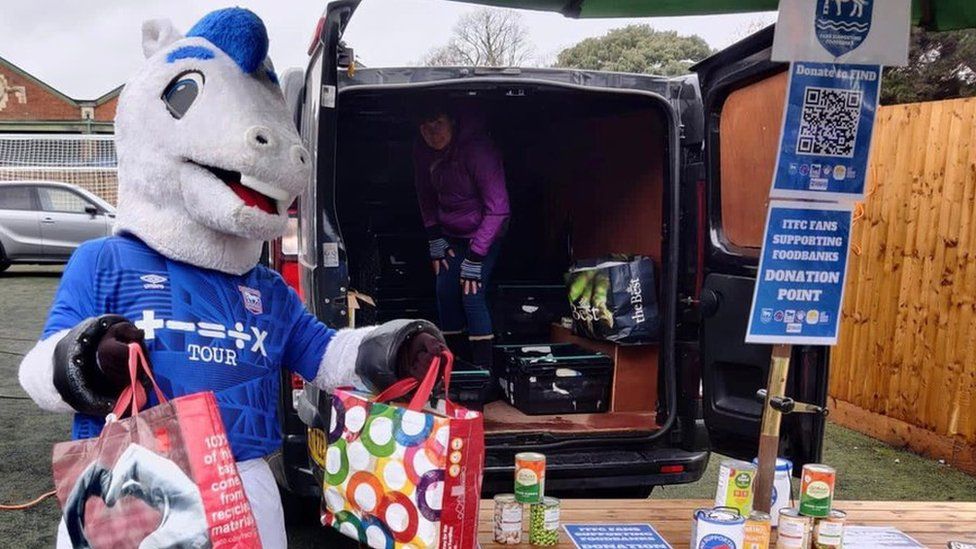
871 537
872 32
630 536
826 134
802 269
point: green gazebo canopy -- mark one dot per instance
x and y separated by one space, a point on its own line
931 14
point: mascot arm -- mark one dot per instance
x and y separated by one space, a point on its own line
370 358
73 303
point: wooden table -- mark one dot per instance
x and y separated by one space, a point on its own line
931 523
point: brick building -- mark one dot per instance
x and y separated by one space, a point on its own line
46 135
27 104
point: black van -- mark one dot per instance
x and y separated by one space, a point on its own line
676 169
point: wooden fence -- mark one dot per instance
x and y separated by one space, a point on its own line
904 369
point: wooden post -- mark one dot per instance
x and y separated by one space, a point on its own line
779 370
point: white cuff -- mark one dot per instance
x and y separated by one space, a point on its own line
338 367
37 374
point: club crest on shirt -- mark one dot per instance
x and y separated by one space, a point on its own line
252 299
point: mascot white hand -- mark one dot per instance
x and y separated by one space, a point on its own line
209 162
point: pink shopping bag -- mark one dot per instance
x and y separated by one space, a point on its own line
163 477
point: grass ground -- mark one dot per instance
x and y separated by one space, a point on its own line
868 469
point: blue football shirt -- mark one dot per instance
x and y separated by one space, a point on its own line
205 330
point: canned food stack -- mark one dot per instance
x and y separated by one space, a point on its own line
530 488
733 522
815 524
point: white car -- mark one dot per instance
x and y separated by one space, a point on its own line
44 221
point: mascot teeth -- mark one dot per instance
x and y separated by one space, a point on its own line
253 192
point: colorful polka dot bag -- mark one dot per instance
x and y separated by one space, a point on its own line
403 475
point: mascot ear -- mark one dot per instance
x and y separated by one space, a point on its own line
157 34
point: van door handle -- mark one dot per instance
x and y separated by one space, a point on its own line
48 220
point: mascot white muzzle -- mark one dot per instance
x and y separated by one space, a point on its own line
209 159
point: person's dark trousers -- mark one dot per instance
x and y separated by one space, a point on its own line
459 313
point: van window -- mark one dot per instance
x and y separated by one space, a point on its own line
749 131
61 200
15 198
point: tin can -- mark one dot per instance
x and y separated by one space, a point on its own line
508 520
757 531
530 477
828 532
817 490
782 488
794 530
735 485
719 527
544 522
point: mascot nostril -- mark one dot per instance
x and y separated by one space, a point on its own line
298 155
259 138
182 271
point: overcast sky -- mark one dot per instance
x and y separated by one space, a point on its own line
87 47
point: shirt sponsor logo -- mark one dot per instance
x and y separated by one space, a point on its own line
252 299
153 282
252 337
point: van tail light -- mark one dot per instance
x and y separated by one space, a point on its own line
672 469
297 386
316 36
289 271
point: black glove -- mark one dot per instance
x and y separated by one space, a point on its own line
395 350
91 363
112 355
417 354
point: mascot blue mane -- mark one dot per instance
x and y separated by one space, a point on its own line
209 160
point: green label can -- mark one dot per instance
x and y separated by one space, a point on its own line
530 477
817 490
735 479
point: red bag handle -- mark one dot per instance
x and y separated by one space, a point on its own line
423 388
134 396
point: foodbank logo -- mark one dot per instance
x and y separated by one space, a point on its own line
716 541
842 25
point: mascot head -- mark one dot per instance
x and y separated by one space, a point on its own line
209 158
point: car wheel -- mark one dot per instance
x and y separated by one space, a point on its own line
4 262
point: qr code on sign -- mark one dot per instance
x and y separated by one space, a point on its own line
828 123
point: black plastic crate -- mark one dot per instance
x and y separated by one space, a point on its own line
545 379
525 312
471 385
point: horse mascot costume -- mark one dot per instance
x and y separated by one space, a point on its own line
209 162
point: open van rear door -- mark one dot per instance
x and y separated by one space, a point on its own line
743 96
321 255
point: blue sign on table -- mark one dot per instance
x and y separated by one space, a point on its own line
623 536
800 284
826 136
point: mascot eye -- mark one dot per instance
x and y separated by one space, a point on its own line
180 94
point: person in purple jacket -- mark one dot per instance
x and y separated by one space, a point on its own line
464 205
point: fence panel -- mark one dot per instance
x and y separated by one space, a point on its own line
907 348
